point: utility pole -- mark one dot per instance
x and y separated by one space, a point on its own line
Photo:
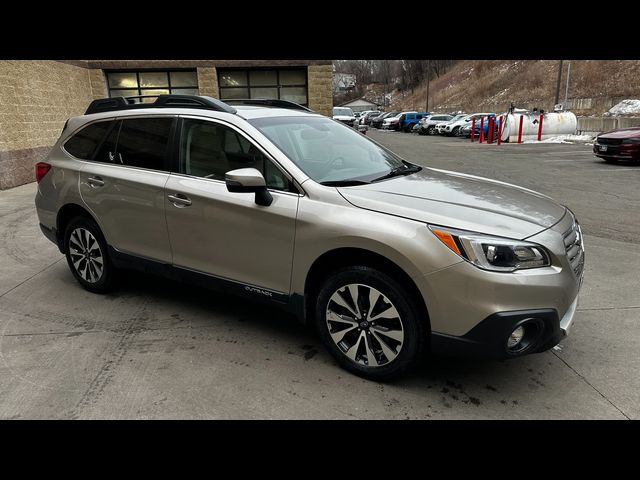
558 83
426 108
566 92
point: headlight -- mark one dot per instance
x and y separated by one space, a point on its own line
493 253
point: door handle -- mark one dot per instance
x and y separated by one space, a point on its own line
179 200
95 181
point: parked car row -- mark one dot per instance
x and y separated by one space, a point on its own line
423 123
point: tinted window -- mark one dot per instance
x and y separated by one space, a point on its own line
84 143
142 142
210 150
107 150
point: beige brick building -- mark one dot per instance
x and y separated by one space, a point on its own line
37 97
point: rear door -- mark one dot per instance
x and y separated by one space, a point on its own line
123 185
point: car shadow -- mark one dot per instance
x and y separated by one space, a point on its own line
278 322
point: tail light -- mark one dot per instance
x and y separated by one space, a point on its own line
41 170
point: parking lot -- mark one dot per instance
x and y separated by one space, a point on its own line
159 349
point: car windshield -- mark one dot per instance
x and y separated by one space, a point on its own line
328 151
343 111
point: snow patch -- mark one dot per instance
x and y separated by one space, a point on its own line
626 107
586 139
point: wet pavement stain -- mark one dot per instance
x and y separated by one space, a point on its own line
309 354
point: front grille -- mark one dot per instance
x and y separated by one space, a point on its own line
574 247
608 141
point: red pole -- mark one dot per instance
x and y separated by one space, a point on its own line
540 127
500 130
492 121
520 130
481 130
473 128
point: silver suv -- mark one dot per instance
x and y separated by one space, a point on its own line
388 259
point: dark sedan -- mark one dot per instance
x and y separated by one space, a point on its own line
623 144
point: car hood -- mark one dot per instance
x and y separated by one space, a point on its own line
625 133
461 201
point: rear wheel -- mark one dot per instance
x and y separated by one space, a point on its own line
369 323
87 255
431 130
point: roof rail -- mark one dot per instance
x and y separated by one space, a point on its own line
162 101
268 103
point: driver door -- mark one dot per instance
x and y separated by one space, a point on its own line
223 234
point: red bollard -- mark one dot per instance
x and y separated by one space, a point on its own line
500 130
473 128
540 127
490 129
520 130
481 130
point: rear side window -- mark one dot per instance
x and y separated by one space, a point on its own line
142 142
84 143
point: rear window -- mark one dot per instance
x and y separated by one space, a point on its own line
142 142
84 143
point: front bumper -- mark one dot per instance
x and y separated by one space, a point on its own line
474 311
617 152
489 338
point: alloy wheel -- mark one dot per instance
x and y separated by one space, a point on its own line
364 325
86 255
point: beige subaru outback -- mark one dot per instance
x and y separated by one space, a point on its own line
266 199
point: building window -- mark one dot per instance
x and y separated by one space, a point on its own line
282 84
152 82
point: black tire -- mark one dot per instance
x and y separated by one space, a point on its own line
431 130
102 282
454 132
413 325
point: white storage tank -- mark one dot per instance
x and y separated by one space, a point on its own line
554 124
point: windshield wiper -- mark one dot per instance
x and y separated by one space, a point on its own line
405 169
344 183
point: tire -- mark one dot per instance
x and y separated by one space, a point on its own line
83 240
431 130
366 349
454 132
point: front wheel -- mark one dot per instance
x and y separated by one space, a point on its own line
369 323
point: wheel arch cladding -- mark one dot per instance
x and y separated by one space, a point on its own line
350 257
65 214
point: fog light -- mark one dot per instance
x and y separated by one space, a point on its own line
516 337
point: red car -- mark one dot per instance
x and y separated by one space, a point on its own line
623 144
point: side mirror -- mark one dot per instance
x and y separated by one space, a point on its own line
246 180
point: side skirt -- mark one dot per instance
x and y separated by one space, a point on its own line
290 303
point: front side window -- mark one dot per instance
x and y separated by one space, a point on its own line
326 150
142 142
210 150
